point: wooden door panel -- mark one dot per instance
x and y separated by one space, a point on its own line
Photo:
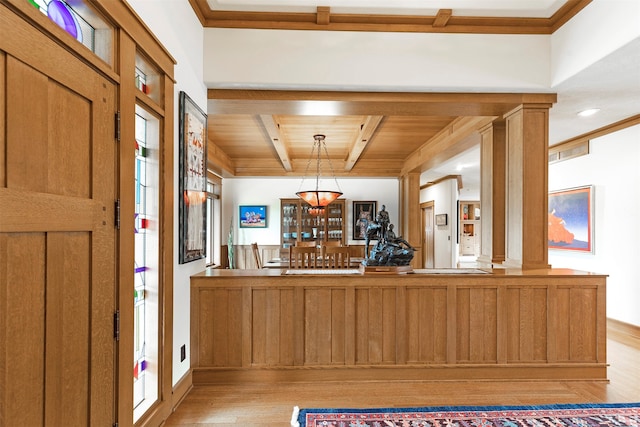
69 154
22 337
68 325
48 149
26 127
57 235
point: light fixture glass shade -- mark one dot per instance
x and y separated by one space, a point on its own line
319 199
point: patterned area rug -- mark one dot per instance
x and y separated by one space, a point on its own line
582 415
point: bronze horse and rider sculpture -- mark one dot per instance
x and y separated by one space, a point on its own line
390 250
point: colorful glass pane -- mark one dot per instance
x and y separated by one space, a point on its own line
141 81
68 19
140 267
59 13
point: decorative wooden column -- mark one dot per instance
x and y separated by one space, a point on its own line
527 146
410 224
492 193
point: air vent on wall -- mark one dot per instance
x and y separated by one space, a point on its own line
562 152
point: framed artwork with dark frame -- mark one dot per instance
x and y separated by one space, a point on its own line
192 197
441 219
363 214
253 216
571 219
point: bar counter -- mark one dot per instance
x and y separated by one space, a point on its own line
430 324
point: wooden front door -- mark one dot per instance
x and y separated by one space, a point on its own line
57 235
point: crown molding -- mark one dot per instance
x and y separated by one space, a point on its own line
444 22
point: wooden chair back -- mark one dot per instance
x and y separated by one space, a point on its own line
256 255
306 244
332 243
224 256
336 257
303 257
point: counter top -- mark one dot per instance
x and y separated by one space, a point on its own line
480 272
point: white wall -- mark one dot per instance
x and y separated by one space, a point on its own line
176 26
353 60
445 197
269 191
598 30
613 168
375 61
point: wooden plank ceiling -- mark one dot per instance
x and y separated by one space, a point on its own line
281 145
268 133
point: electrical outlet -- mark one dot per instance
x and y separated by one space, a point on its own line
183 352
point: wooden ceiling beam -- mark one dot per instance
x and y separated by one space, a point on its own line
367 130
450 141
272 127
291 102
218 161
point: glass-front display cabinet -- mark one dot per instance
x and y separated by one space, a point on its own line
297 224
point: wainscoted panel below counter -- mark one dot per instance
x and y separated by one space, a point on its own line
508 324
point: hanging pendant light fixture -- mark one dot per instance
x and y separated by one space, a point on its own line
318 199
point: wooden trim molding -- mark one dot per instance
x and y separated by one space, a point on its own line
444 178
181 389
605 130
443 22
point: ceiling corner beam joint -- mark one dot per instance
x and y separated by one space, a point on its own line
323 15
442 18
363 138
272 127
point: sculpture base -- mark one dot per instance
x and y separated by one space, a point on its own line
385 269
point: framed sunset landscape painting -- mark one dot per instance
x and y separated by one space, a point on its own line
571 219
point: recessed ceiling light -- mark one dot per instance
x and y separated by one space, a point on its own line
589 112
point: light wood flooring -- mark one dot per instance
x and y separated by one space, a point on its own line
268 404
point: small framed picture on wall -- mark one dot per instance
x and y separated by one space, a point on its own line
253 216
441 219
363 214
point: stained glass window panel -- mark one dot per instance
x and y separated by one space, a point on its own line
67 18
146 260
